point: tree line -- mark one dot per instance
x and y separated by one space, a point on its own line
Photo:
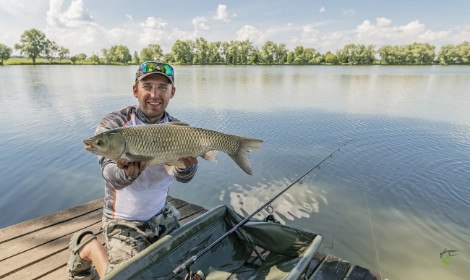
34 44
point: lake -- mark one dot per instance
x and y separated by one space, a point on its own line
392 200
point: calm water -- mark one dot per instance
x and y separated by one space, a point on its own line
392 200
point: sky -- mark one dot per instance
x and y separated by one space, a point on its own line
88 26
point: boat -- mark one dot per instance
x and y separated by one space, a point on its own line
255 250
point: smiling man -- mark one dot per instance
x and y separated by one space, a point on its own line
136 211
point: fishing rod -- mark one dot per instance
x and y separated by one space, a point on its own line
192 260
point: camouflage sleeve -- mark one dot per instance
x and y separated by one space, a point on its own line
115 176
185 175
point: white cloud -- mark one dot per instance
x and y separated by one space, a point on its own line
154 23
222 14
200 24
129 17
322 9
383 22
248 32
76 14
383 32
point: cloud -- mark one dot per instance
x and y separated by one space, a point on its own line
200 24
222 14
129 17
154 23
248 32
383 32
76 14
322 9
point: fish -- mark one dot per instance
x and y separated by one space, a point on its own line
168 143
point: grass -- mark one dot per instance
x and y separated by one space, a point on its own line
42 61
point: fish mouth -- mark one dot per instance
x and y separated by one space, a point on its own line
88 144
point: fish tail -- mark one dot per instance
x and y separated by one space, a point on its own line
240 157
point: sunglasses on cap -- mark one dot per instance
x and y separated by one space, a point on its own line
155 67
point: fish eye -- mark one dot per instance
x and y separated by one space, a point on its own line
99 142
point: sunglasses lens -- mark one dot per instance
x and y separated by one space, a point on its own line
149 67
167 69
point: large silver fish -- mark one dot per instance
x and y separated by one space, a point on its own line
169 142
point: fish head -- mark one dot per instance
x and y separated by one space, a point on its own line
110 145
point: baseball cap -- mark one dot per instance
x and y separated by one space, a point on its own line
154 67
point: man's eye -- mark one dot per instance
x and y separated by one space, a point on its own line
163 87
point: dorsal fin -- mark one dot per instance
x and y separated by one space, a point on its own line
177 123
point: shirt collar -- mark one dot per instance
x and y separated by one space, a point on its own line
141 116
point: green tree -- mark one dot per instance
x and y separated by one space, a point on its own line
136 59
151 52
78 57
215 53
182 51
117 54
95 58
268 52
201 51
63 53
120 54
330 58
51 50
356 54
32 44
450 54
5 53
272 53
420 53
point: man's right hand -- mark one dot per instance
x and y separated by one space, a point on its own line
132 169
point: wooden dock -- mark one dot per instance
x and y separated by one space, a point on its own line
38 249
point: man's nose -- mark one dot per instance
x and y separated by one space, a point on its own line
154 92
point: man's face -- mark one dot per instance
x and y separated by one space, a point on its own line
154 93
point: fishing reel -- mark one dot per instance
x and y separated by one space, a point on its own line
270 217
198 275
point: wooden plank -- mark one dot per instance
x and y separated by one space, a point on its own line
44 254
47 234
24 228
189 210
360 273
314 263
332 268
40 253
178 203
189 218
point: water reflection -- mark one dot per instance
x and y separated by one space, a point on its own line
298 203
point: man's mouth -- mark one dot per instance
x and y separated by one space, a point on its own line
154 103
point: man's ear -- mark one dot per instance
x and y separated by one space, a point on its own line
173 91
134 89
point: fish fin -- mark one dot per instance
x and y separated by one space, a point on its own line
177 123
170 169
132 158
241 155
176 163
210 155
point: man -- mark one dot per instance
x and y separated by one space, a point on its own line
136 212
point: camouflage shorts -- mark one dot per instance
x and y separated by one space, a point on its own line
124 239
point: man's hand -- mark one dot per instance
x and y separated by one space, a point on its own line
188 161
132 169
